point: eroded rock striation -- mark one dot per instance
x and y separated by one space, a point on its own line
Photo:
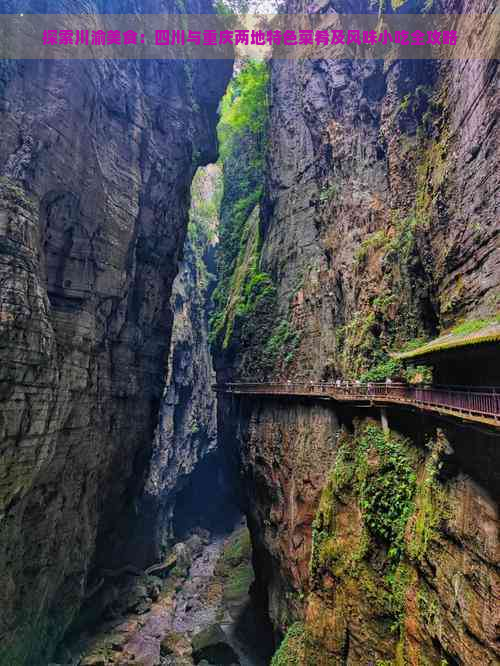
380 206
96 162
378 228
187 485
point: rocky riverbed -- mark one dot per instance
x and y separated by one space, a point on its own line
200 613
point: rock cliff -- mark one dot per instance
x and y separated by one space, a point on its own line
96 162
380 206
187 485
378 228
371 547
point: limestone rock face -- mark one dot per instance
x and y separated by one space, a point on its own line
96 161
381 201
379 225
187 485
187 427
286 454
320 562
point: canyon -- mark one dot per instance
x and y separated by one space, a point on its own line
375 535
95 182
169 226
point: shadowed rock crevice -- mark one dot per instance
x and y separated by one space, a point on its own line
96 162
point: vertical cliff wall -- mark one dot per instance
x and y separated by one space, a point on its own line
96 161
380 212
378 229
370 545
187 485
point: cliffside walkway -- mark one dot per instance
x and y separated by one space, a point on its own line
480 404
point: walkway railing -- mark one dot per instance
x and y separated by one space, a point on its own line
476 404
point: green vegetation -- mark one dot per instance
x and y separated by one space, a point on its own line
384 492
372 242
422 106
204 212
414 344
401 246
246 309
393 313
284 340
383 370
390 368
234 566
248 286
328 193
428 606
418 374
238 582
236 551
399 517
357 345
413 100
206 192
292 648
386 496
15 193
244 290
431 503
474 325
194 428
457 337
398 580
244 110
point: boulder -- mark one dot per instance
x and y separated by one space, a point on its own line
93 660
211 645
175 643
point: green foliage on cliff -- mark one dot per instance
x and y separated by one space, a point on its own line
399 298
239 582
245 292
383 370
372 242
242 134
390 368
206 192
386 495
380 509
11 192
418 374
284 340
246 315
204 211
474 325
244 110
237 550
428 607
431 503
247 287
385 487
292 648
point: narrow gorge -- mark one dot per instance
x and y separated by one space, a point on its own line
249 343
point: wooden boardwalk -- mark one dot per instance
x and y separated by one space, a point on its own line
480 404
